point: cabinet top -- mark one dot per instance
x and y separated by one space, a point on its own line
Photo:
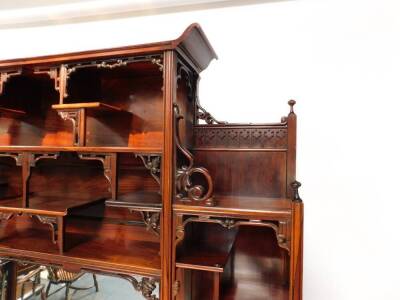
192 43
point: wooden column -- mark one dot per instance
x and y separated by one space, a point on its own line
296 255
291 152
167 174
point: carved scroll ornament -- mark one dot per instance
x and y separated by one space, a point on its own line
186 190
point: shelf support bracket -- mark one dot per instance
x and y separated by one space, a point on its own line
109 162
4 76
152 163
78 120
150 218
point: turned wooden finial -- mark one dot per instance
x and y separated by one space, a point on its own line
295 186
291 104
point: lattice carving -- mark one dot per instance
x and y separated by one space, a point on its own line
186 190
281 228
146 286
240 137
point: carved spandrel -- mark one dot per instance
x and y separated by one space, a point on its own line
151 219
53 73
152 163
18 157
77 118
109 162
186 190
145 286
4 76
281 228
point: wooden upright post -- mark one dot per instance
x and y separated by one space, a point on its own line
167 174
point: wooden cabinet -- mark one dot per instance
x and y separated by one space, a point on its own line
110 165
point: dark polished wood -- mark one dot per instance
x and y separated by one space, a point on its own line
109 164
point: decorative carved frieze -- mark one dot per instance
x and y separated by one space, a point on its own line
67 69
281 228
186 190
240 137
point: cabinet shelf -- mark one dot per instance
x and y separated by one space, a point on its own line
205 257
143 200
49 210
241 206
46 205
97 106
94 253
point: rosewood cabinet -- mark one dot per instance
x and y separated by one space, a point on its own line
110 165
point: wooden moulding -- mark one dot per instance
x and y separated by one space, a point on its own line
77 114
11 113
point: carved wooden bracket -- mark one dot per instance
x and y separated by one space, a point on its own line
18 157
109 162
54 73
150 218
281 228
4 76
152 163
186 191
146 286
78 120
295 186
